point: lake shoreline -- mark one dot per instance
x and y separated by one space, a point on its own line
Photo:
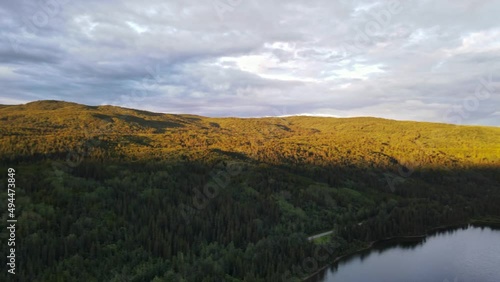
420 237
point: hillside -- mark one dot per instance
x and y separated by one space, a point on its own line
55 126
114 194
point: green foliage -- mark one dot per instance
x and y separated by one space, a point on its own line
114 194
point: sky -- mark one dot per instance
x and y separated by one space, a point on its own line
419 60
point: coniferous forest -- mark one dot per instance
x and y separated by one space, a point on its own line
113 194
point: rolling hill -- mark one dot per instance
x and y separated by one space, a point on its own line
115 194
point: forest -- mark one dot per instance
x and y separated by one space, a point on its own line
105 193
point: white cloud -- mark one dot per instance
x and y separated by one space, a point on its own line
358 71
481 41
7 72
307 57
86 24
136 27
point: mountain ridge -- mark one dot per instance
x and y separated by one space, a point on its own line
45 121
61 104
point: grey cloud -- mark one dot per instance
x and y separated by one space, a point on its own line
255 58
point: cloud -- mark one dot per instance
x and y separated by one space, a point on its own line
409 60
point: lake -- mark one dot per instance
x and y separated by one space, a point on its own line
469 254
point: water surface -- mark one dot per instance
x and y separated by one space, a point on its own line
470 254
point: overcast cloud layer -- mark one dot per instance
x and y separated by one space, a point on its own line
408 60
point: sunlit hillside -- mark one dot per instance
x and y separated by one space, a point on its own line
51 127
113 194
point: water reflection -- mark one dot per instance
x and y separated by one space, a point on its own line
468 253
